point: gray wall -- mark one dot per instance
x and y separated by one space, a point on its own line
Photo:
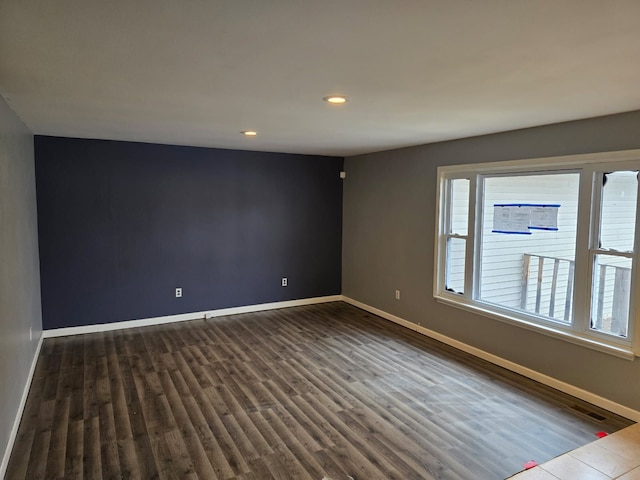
19 269
388 244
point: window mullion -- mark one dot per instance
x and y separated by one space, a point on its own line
476 192
471 225
587 235
634 310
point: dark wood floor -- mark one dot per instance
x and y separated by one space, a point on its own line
299 393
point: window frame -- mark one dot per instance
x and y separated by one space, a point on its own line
579 331
448 233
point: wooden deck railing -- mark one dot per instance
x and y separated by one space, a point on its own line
618 321
615 323
526 264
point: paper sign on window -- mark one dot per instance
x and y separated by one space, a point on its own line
521 218
544 217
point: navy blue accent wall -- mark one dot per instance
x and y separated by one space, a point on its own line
122 224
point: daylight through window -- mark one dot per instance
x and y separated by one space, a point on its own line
550 243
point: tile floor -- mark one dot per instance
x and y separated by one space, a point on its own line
614 456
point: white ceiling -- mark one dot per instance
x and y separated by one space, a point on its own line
197 72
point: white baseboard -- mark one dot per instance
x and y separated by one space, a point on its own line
23 402
509 365
145 322
273 306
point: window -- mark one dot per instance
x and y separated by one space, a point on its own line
550 244
457 234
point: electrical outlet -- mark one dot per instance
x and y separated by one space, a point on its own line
179 292
397 294
284 281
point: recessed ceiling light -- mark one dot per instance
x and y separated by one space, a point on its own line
249 133
335 99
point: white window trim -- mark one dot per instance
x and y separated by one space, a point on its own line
620 160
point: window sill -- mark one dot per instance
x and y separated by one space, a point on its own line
620 351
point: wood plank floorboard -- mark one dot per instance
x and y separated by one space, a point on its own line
300 393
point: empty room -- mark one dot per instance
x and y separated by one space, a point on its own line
363 240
